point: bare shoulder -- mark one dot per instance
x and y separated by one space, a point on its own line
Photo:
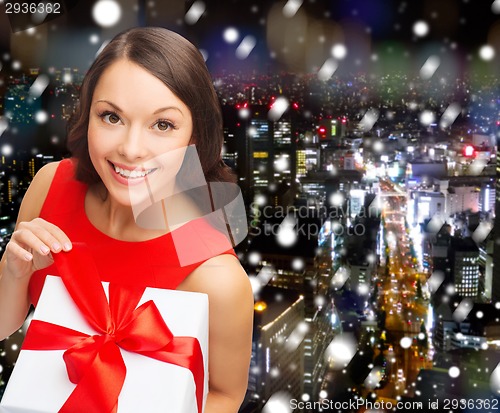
37 192
223 279
46 174
231 308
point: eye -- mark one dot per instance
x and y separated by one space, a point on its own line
110 117
163 125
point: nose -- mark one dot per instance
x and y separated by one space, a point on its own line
132 146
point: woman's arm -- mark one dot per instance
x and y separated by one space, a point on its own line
28 250
230 331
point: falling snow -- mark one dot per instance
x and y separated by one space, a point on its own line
94 39
106 13
298 264
231 35
278 108
435 280
38 86
4 124
337 199
278 403
41 116
405 342
426 117
195 12
296 337
319 300
369 119
254 258
449 115
244 113
327 69
286 235
495 380
429 67
495 7
6 150
341 350
421 28
339 51
373 379
482 231
291 7
487 52
245 47
463 310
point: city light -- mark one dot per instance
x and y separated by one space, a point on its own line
369 190
469 151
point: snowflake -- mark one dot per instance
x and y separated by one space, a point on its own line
420 28
487 52
106 13
231 35
291 7
429 67
339 51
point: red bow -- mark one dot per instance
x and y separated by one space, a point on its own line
94 363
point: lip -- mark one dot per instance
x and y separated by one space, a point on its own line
126 181
130 168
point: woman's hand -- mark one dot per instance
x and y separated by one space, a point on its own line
31 246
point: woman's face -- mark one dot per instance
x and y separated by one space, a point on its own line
138 131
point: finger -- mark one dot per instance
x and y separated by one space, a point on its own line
29 241
54 238
15 250
56 232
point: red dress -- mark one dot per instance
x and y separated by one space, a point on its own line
151 263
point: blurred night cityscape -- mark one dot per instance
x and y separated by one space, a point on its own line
369 171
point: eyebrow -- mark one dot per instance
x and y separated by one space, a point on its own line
154 113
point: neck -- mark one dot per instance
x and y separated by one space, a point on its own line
117 220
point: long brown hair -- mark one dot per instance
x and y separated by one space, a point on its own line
180 66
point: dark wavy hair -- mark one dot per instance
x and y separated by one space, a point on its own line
180 66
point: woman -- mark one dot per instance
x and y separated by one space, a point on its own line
147 94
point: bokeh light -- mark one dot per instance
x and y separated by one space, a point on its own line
487 52
421 28
231 35
106 13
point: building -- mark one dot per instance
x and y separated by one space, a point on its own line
303 267
428 169
435 248
464 258
486 202
495 286
425 205
265 149
462 199
486 249
278 348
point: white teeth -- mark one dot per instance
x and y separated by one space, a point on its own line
126 173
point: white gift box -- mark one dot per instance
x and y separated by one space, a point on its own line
39 382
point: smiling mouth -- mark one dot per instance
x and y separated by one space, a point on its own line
131 173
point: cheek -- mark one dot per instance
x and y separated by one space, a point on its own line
99 140
91 140
96 147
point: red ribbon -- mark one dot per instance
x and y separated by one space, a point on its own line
94 363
